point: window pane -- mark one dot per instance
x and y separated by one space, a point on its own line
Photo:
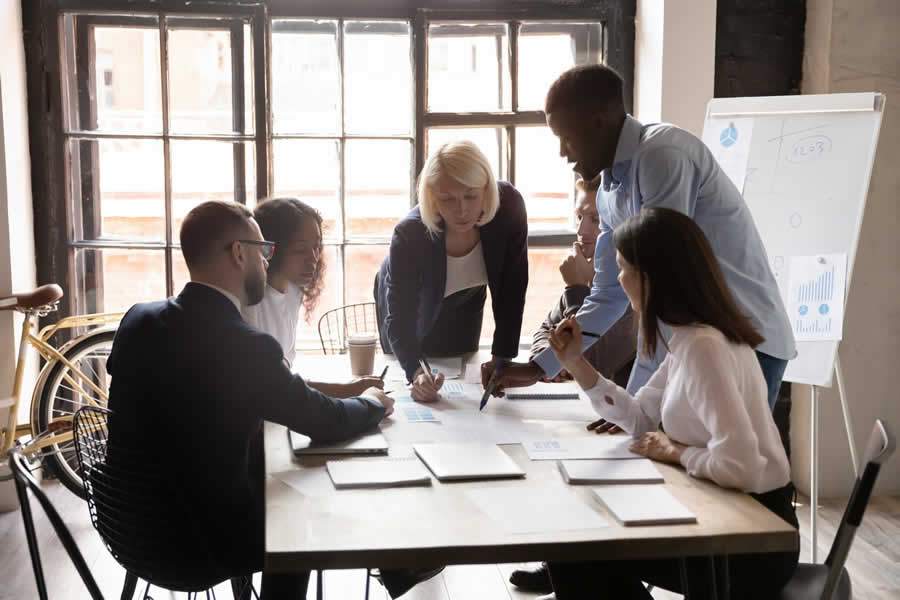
112 280
122 91
205 170
362 263
378 71
111 198
378 185
548 49
307 326
544 178
491 141
310 170
468 67
306 77
200 81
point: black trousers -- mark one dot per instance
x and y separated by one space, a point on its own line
752 576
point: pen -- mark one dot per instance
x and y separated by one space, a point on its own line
492 384
383 373
591 334
426 369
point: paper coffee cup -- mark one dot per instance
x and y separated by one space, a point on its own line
361 347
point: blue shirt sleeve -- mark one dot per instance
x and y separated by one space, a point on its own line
604 305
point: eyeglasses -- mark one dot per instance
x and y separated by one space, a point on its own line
267 248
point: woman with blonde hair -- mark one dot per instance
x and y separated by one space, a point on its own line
468 233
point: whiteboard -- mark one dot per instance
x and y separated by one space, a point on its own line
806 182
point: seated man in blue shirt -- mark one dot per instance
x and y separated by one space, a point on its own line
636 166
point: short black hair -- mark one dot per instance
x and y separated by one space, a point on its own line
585 87
209 226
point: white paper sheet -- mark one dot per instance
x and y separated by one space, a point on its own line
533 509
816 296
597 446
729 141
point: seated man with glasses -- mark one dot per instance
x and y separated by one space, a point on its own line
193 380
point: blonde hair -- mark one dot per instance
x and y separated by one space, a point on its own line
464 163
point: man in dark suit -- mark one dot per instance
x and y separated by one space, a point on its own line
193 381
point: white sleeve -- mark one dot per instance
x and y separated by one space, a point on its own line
636 414
732 458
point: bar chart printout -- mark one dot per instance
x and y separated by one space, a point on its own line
816 296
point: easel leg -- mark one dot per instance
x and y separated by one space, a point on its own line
847 425
814 472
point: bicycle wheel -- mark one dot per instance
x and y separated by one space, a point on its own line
59 398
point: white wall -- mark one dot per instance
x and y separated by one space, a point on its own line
17 257
853 46
675 56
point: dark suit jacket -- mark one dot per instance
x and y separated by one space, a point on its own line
193 381
409 287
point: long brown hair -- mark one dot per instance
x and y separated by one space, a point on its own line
681 281
279 220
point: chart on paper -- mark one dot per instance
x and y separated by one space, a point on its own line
817 296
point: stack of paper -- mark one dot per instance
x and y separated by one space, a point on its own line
606 471
643 505
368 443
467 461
377 472
545 391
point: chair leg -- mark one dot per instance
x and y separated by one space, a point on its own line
242 587
129 586
368 581
320 585
31 536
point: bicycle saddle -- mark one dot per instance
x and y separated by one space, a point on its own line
41 296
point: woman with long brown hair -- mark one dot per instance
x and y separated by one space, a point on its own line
709 395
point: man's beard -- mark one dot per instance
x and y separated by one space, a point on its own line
255 288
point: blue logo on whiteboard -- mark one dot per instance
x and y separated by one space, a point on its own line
823 309
729 136
803 309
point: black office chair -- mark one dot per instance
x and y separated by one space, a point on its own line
135 508
830 581
26 482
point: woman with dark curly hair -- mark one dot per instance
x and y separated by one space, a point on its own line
295 280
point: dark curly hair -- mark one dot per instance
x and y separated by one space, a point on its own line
280 219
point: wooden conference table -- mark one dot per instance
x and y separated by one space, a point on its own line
311 525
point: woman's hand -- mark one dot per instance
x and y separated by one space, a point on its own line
566 342
656 445
425 386
359 385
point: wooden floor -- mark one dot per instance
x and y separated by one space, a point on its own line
874 562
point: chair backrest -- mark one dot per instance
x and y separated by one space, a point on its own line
879 449
336 324
25 483
137 510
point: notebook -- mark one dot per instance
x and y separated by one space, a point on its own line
377 472
545 391
643 505
368 443
607 471
476 460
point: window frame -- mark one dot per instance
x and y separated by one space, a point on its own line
45 45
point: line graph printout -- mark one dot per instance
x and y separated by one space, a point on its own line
816 296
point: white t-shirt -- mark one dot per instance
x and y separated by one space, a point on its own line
278 315
464 272
710 395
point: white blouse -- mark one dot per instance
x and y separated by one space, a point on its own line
278 315
710 395
464 272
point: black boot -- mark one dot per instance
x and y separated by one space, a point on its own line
532 580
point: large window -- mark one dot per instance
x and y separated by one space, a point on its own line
163 110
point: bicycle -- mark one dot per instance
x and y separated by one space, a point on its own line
73 376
